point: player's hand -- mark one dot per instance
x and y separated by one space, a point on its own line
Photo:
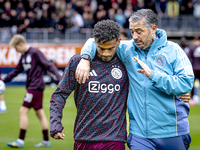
186 97
82 71
60 135
146 70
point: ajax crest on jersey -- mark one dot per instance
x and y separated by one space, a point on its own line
2 87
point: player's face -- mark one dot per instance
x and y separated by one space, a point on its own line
107 50
20 47
142 36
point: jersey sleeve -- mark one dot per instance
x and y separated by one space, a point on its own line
181 82
58 98
90 48
15 72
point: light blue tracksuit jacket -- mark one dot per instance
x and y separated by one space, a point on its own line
154 110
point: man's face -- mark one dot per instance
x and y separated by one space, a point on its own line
20 47
107 50
142 36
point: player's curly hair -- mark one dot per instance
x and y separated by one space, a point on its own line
106 30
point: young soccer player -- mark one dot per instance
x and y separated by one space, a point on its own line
101 102
34 63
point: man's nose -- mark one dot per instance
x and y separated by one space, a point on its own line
135 36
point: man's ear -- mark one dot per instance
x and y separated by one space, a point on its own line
153 29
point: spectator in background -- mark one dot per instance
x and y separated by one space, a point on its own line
196 14
4 20
68 19
14 4
13 22
44 22
60 25
32 19
7 7
111 14
120 18
121 3
79 6
127 13
186 7
161 8
70 9
52 21
21 17
115 6
1 6
77 22
150 4
20 8
87 22
52 6
196 11
173 8
106 3
23 27
131 2
140 5
173 13
31 6
93 5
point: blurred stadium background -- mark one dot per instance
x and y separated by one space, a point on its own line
59 28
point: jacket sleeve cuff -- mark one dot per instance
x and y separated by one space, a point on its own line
152 74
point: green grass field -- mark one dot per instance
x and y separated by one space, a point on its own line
9 122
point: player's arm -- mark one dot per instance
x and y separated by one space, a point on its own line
58 99
47 64
15 72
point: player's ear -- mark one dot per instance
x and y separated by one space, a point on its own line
118 42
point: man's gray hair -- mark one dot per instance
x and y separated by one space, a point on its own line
148 16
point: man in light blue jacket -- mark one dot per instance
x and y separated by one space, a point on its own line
158 70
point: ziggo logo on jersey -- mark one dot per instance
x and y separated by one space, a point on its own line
96 87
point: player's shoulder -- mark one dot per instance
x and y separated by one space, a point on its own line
34 50
75 58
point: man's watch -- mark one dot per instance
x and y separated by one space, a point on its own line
85 56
